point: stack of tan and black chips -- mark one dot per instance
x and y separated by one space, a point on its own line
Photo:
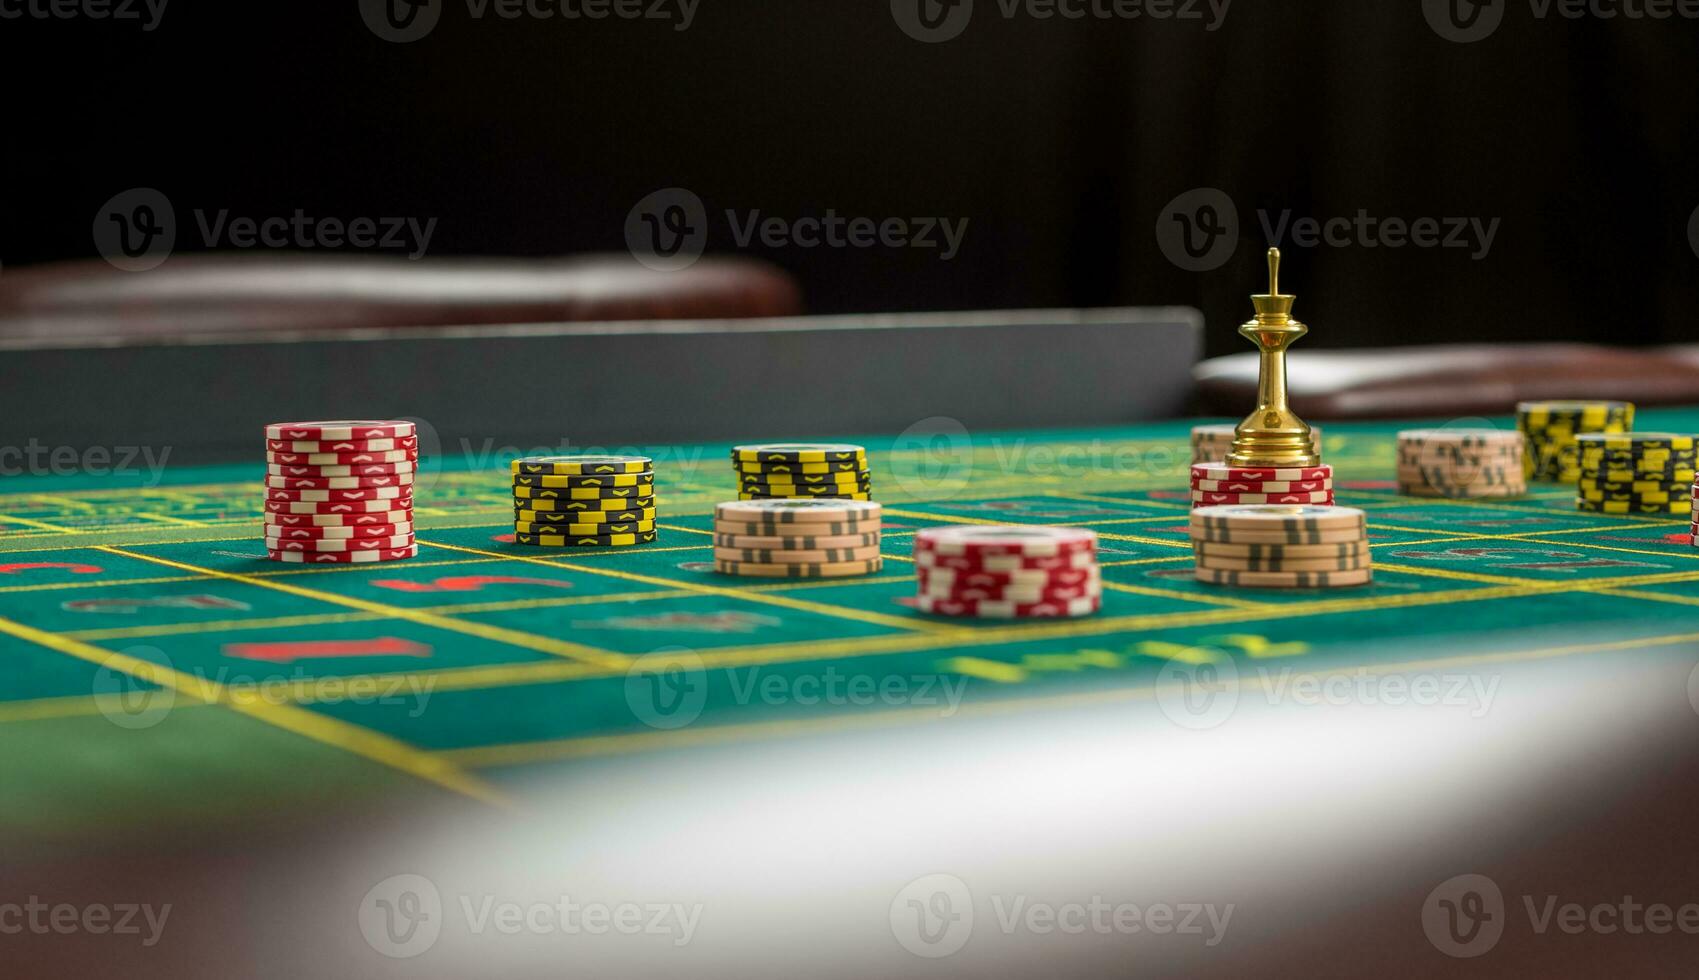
1551 454
797 538
1281 546
584 501
1460 463
1636 473
785 470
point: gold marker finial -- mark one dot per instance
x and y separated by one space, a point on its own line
1272 435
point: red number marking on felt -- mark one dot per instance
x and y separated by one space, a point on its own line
1559 561
74 569
384 646
465 583
1668 539
157 602
502 538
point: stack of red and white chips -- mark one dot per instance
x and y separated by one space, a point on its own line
1009 572
1220 484
339 492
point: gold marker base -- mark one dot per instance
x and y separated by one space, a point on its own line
1272 435
1275 447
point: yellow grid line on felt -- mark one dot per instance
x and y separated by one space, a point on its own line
559 648
877 619
1092 628
290 622
522 753
325 730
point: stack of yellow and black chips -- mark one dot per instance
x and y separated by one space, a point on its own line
1636 473
784 470
584 501
1550 429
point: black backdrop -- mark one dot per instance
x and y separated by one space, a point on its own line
1061 142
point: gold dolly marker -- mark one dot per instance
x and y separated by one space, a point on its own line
1272 435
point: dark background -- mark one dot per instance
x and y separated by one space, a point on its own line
1061 143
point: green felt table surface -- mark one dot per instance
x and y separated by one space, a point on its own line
150 653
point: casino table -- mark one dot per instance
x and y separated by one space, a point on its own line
165 682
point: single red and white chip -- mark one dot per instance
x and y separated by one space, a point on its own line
1022 540
344 532
1262 486
342 519
340 469
992 609
1005 563
320 446
1027 577
276 458
340 429
338 482
1224 471
341 496
340 544
392 508
1012 593
343 557
1204 499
